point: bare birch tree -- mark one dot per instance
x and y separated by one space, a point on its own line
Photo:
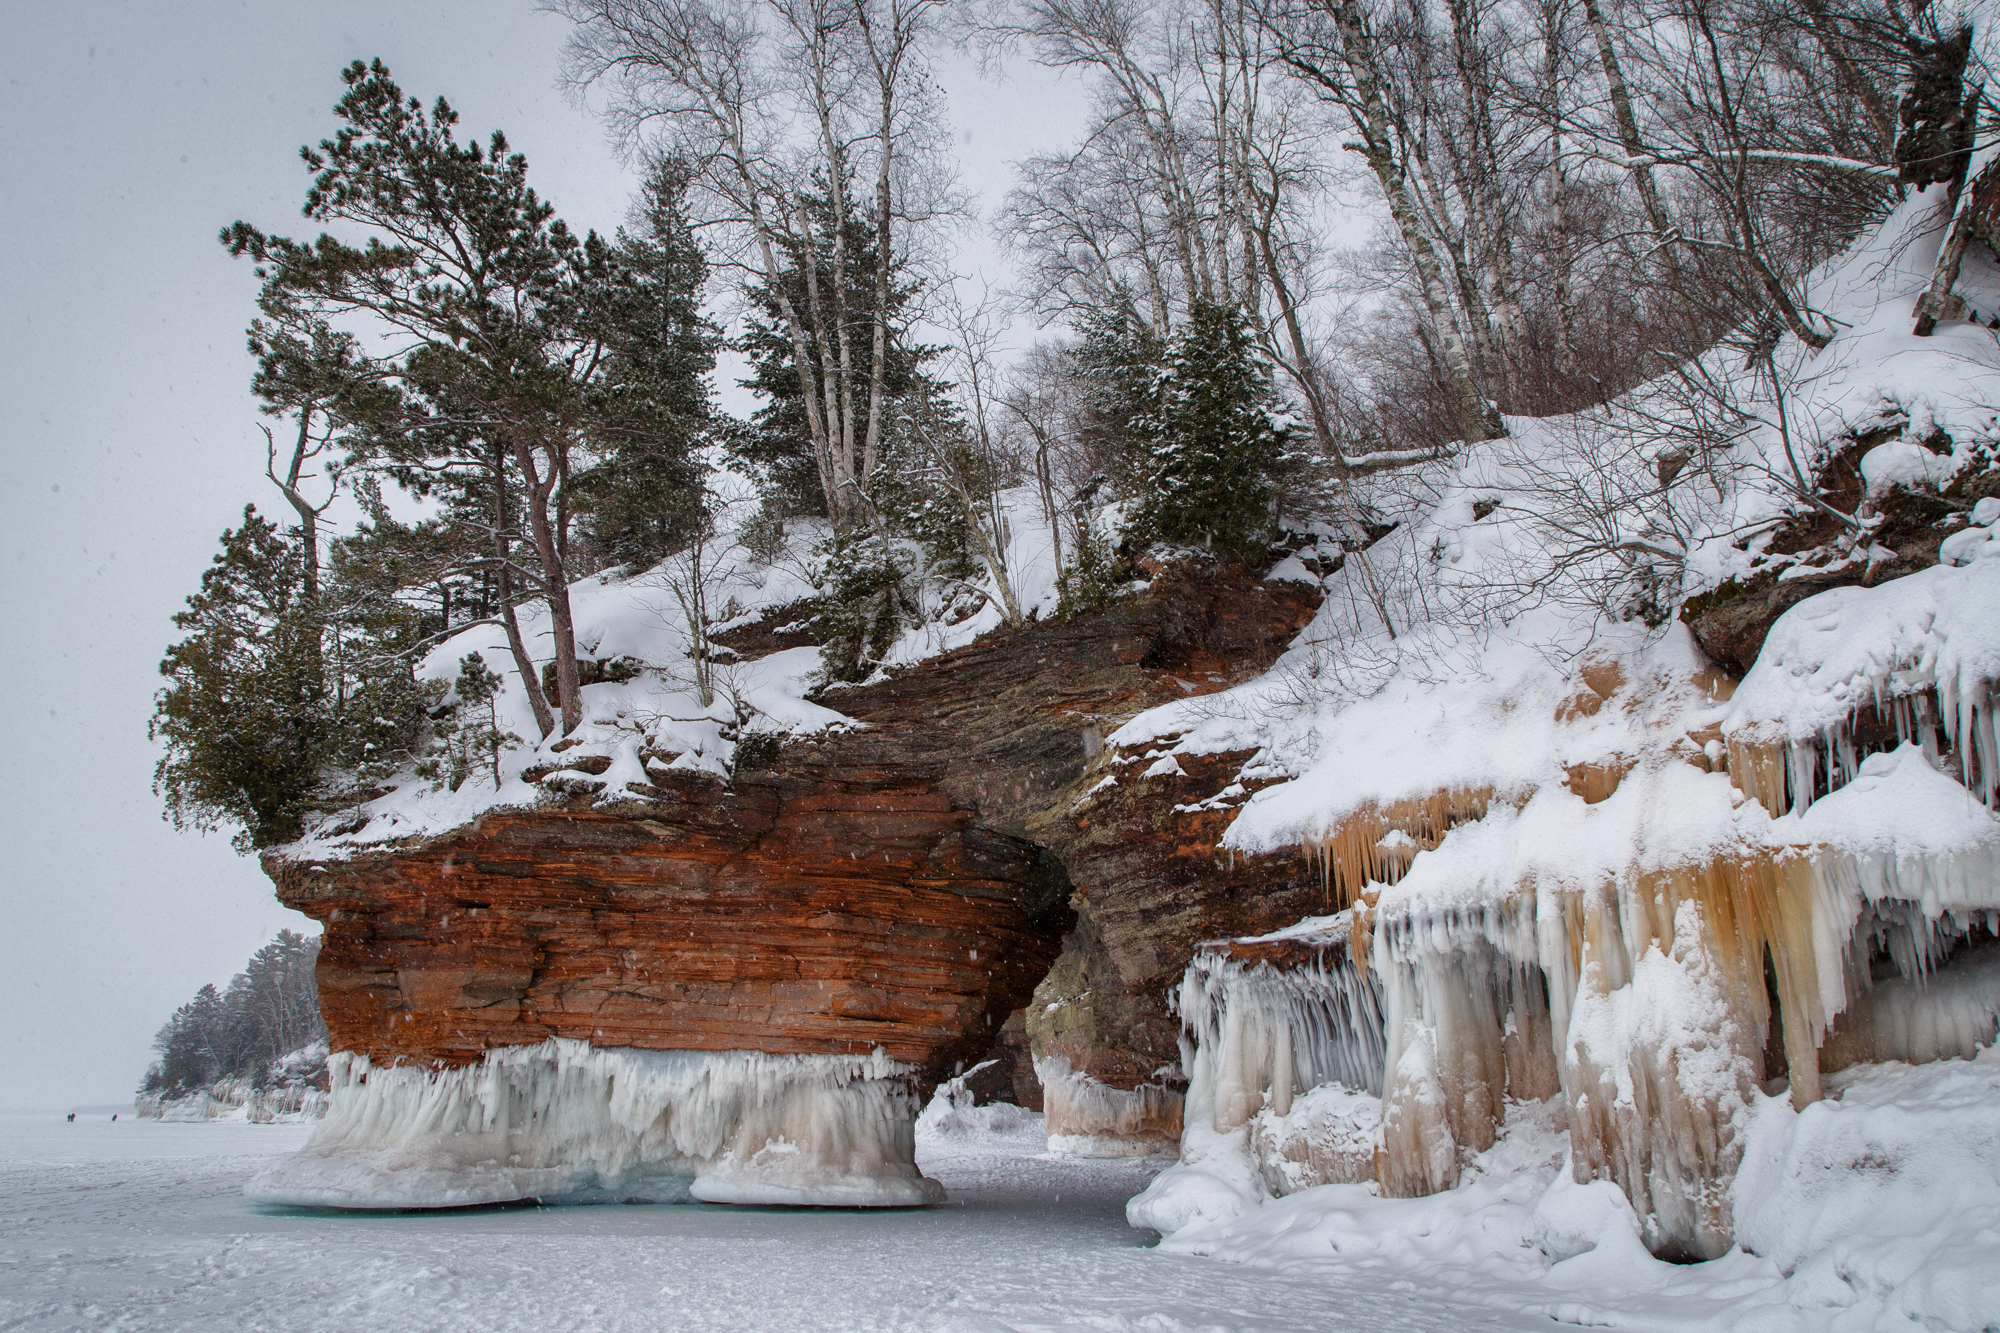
773 102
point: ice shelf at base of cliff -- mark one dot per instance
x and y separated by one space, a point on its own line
1089 1118
1873 1209
567 1122
1656 957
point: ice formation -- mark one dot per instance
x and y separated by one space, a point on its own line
1090 1118
1868 669
1578 860
1886 1191
953 1110
1262 1034
231 1097
1873 1209
1655 957
1328 1137
564 1121
1292 1056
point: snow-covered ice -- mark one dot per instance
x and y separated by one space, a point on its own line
1876 1209
143 1225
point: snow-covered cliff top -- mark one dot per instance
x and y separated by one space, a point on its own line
1473 651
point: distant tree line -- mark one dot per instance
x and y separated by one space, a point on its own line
268 1011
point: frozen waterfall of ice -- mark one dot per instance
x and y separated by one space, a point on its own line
1090 1118
566 1121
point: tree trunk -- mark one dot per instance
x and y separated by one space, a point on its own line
308 514
1302 367
795 329
531 676
1370 114
555 583
1938 301
1628 132
1552 16
1881 116
888 69
1485 213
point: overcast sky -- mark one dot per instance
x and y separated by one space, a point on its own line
129 134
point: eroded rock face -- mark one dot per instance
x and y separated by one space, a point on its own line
1731 621
776 915
1152 885
902 886
1020 719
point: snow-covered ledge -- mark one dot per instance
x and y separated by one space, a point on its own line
564 1121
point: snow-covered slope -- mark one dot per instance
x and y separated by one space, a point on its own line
1599 886
1462 652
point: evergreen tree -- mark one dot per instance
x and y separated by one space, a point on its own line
495 319
1114 365
1207 446
776 445
269 1010
191 1046
245 717
476 740
275 698
642 499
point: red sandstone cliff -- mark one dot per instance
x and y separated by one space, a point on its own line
905 885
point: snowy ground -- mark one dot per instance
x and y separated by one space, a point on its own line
143 1225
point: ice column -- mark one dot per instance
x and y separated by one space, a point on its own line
565 1121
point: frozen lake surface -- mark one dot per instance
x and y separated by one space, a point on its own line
143 1225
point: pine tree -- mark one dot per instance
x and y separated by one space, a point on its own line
495 320
245 717
1207 443
643 498
276 697
776 444
269 1010
1114 364
478 740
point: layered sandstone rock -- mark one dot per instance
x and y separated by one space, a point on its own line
1152 885
774 914
901 887
1019 721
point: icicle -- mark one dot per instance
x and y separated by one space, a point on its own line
1842 672
1467 1026
1947 1014
1089 1118
1269 1033
566 1121
1293 1052
1378 842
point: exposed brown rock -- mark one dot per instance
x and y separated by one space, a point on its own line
787 917
1020 1060
1731 622
899 886
1152 884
